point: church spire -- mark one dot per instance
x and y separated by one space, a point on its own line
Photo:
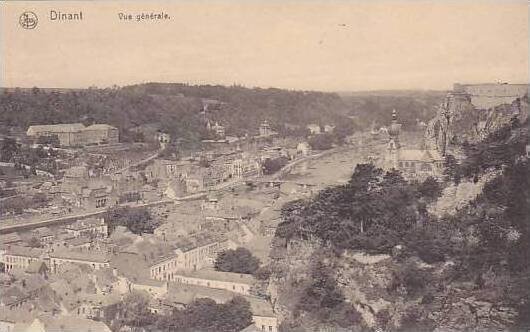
394 129
393 147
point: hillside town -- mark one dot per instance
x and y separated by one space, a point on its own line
77 246
96 230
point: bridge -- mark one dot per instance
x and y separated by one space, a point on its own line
279 182
27 225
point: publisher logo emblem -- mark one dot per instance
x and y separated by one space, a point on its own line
28 20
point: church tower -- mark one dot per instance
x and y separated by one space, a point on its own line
393 146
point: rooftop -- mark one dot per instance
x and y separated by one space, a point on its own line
211 274
71 324
43 232
99 126
198 240
88 256
24 251
251 328
10 238
58 128
77 241
86 223
185 294
260 307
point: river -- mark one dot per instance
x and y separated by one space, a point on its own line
337 167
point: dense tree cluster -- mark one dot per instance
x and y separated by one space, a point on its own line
273 165
17 204
430 189
242 109
137 220
374 211
176 109
239 260
34 242
208 316
200 315
322 141
9 148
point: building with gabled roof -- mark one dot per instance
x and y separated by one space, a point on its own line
95 259
234 282
48 323
262 314
76 134
46 130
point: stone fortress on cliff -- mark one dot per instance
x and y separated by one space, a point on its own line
488 95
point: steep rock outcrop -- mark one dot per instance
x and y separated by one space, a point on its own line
456 196
458 120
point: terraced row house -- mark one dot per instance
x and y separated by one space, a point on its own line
19 257
191 254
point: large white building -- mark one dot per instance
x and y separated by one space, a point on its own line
76 134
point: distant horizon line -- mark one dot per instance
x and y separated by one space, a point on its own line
345 91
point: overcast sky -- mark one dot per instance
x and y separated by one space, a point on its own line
310 45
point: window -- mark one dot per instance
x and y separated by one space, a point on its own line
270 328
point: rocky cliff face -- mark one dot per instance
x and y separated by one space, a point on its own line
423 296
456 196
458 121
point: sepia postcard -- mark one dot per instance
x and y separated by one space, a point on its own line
264 166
